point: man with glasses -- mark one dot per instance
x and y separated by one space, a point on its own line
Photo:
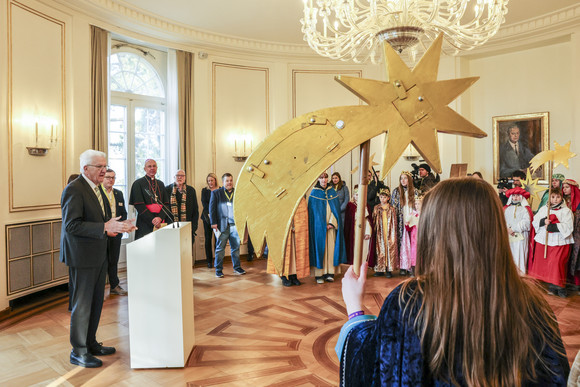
148 196
117 203
86 220
183 202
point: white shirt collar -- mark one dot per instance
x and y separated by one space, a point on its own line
93 185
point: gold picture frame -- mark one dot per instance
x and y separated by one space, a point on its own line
533 138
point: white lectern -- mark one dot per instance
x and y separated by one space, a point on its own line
160 284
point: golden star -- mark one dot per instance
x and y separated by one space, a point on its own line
562 154
531 185
421 103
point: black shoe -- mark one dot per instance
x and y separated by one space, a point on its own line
329 278
389 274
210 265
294 280
285 281
100 350
403 272
378 274
87 360
250 257
562 293
239 271
412 271
219 274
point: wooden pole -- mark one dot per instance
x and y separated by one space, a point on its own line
359 229
549 205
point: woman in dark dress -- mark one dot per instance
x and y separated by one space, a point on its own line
467 319
212 185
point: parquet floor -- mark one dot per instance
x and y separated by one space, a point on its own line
250 331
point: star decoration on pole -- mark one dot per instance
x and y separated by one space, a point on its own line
411 108
372 163
421 103
559 156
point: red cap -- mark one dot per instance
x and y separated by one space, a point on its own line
517 191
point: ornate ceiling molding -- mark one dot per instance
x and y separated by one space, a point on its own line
122 15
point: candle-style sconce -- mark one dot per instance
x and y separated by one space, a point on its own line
42 151
243 146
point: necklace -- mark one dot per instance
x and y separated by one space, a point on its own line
152 186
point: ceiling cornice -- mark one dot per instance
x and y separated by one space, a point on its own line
117 13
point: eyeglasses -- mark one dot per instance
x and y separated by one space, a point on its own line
110 177
98 166
179 175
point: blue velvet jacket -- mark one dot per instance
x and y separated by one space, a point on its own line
386 351
317 201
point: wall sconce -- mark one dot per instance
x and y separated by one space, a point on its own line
42 151
243 146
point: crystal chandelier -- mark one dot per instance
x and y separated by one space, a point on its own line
355 29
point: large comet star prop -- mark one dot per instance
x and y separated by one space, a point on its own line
411 108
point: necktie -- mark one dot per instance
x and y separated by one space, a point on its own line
516 149
100 197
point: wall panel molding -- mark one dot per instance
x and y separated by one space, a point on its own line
218 69
37 93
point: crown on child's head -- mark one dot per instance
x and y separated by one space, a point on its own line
385 191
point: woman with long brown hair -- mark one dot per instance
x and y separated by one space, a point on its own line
467 319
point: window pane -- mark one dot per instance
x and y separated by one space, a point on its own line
132 74
149 140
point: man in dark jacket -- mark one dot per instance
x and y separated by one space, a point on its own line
118 208
183 202
86 220
221 214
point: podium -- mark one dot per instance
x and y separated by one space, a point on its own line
160 284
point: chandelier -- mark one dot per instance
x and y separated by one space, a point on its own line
355 29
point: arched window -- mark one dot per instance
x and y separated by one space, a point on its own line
137 113
132 74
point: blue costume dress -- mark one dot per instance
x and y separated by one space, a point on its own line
386 351
317 202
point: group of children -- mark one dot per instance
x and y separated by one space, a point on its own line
391 229
545 245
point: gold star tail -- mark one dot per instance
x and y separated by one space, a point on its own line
541 159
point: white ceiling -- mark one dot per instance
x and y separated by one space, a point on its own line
279 20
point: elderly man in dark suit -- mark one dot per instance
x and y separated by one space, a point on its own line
86 220
118 208
221 214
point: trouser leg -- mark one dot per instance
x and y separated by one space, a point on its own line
114 250
220 249
208 233
235 247
88 295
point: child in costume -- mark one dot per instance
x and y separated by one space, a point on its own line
518 217
572 198
385 221
558 227
411 223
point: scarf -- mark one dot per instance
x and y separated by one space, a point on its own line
182 213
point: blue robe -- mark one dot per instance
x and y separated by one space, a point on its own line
386 351
317 226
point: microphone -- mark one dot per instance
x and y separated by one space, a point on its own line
163 207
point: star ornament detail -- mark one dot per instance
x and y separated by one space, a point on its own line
559 156
420 102
531 185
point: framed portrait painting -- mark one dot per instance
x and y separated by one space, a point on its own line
516 140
